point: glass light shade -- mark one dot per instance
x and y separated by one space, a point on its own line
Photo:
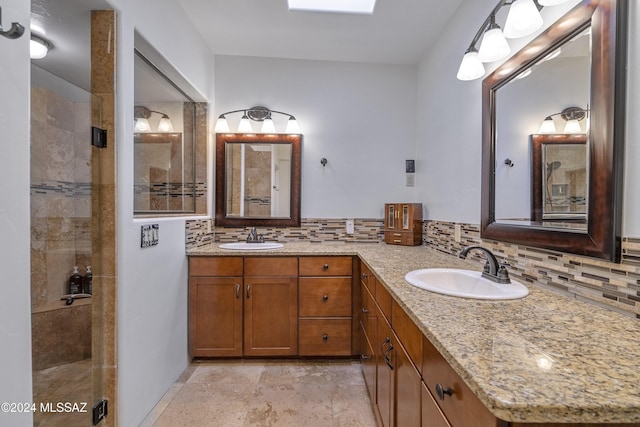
292 126
572 126
37 49
222 126
551 2
494 46
548 126
142 125
471 67
553 54
245 126
165 124
268 126
523 19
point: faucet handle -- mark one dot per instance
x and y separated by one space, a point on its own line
503 274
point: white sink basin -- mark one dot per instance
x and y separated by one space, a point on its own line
464 283
246 246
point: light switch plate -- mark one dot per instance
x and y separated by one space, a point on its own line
411 179
350 226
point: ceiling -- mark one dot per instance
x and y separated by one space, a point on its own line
398 32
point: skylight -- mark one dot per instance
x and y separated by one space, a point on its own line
335 6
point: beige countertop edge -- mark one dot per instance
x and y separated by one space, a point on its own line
522 393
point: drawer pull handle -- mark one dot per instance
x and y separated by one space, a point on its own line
325 297
364 357
386 341
325 337
248 289
325 267
237 290
365 276
441 391
364 310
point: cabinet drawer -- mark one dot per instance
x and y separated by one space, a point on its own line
431 414
406 238
383 298
324 337
462 408
367 279
215 266
271 266
325 266
329 296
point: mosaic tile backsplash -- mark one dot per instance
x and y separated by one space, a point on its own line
612 286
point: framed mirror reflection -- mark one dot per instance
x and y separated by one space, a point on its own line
258 180
567 85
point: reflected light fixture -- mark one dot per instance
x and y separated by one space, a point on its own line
522 20
257 114
141 115
39 47
572 115
336 6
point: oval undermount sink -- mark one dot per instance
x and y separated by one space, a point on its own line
251 246
464 283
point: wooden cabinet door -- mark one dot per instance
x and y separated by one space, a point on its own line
385 360
431 414
408 383
215 316
270 316
369 368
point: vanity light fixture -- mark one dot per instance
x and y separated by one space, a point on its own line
257 114
572 115
39 47
522 20
141 115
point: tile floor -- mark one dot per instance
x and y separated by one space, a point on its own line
266 393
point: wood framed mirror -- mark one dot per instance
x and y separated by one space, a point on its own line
258 180
605 22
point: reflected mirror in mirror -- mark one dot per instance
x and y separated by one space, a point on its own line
552 83
169 139
258 180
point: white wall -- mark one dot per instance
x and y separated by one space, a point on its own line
449 142
449 118
360 117
15 235
152 282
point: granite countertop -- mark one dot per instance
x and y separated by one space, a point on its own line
544 358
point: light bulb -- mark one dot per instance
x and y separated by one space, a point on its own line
268 126
142 125
222 126
292 126
494 46
165 124
572 126
548 126
523 19
245 126
471 67
37 48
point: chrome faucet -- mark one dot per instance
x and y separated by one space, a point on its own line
254 237
493 270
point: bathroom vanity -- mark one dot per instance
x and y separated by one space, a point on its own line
428 359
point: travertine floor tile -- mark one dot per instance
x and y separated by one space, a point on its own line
268 393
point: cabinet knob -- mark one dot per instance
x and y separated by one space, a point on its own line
325 267
325 297
441 391
325 337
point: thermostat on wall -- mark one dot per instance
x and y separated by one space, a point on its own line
149 235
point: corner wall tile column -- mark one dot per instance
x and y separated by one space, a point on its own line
103 208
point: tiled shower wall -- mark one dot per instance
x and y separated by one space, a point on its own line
612 286
60 226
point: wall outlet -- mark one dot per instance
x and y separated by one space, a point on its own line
209 221
350 226
457 233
